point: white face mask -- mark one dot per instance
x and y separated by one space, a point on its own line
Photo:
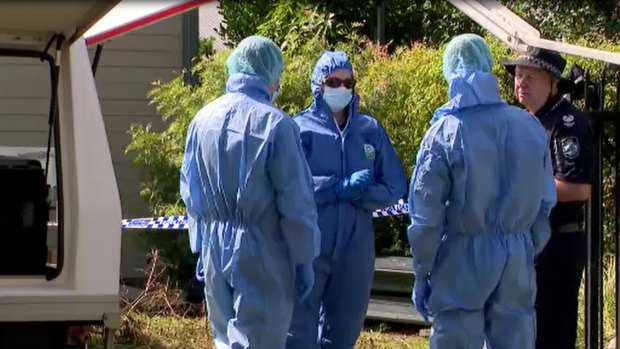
337 98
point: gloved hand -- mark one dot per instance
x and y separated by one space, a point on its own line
353 186
304 280
200 270
421 292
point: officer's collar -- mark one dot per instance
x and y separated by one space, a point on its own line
552 104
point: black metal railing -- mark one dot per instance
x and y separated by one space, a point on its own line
603 109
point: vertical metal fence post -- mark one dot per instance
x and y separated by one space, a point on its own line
601 195
593 271
617 199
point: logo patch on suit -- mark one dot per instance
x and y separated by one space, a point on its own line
570 147
569 120
369 150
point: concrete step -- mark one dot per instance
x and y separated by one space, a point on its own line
394 309
394 264
393 275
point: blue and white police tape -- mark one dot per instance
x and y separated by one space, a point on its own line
180 222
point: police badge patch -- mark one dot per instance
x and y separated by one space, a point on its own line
369 150
570 147
569 120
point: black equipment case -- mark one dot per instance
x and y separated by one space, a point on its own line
24 214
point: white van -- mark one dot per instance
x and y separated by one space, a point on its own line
71 279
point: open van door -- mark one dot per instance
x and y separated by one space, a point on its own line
48 285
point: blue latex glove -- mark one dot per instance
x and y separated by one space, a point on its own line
200 270
353 186
304 280
421 292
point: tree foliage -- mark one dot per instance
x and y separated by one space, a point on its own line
429 21
571 20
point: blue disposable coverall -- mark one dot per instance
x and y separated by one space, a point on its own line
248 189
333 314
479 203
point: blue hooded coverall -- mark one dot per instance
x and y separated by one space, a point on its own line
479 203
248 189
333 314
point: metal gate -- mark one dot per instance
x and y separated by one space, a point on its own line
601 94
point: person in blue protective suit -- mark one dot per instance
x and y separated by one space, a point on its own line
248 191
479 201
355 170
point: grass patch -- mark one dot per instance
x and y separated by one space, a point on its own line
157 320
140 331
609 305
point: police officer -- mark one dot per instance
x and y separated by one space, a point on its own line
539 86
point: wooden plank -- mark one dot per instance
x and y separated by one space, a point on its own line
128 161
120 158
117 151
122 123
172 25
119 107
39 123
11 72
26 123
21 88
24 106
24 81
118 142
127 172
125 90
134 74
24 139
129 187
141 59
137 42
24 61
134 207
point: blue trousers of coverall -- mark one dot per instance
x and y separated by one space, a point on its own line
343 280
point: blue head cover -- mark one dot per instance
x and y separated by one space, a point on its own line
467 52
258 56
329 62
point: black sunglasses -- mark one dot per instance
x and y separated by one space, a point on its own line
336 82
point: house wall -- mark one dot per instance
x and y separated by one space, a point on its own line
128 66
209 22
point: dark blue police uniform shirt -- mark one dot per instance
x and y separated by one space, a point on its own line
572 151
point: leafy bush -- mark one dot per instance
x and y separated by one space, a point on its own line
206 47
